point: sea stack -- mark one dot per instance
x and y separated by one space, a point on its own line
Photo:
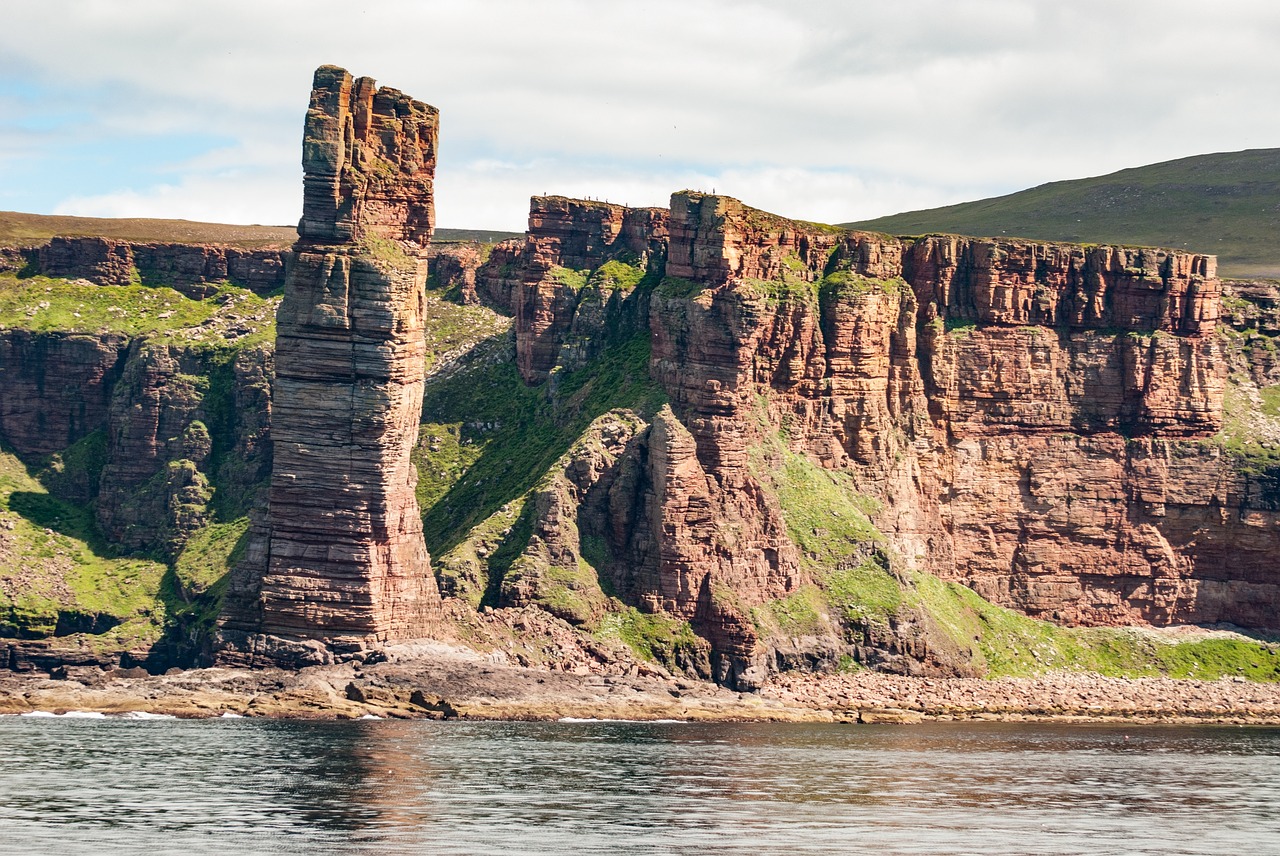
340 558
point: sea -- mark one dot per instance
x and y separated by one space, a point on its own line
93 785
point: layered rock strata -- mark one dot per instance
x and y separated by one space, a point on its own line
1032 419
55 388
340 559
561 313
193 269
1032 416
170 408
157 410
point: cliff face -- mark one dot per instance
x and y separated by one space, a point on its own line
340 557
169 407
561 313
55 388
193 269
736 442
1035 420
1032 417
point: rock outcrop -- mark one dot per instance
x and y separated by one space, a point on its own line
762 441
193 269
55 388
1033 417
561 314
171 407
339 559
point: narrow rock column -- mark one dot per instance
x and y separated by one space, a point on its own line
345 561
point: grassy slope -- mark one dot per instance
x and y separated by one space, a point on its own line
43 304
54 561
494 440
1227 204
999 641
22 230
60 564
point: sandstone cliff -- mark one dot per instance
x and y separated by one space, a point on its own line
731 442
193 269
340 558
1039 421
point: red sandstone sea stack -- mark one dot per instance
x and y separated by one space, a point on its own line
340 560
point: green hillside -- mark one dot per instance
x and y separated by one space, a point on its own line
1227 204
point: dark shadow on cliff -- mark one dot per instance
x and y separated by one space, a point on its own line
522 431
49 512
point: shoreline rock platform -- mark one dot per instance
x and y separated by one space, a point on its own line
443 681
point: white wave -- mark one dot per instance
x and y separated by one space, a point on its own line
370 716
226 714
142 714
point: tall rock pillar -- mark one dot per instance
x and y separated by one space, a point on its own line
340 558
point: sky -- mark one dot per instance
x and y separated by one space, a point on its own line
826 110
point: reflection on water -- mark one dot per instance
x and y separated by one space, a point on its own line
247 786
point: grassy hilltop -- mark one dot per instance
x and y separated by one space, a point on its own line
1227 204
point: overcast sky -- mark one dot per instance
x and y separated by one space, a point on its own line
822 110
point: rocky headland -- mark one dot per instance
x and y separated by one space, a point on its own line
701 460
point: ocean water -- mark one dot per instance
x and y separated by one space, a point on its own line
242 786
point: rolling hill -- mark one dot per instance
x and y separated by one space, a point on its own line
1226 203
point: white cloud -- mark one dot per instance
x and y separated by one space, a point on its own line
241 196
820 109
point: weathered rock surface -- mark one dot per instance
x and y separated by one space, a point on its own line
55 388
420 682
454 265
560 315
193 269
1032 419
169 408
1251 314
340 559
1038 421
368 160
1048 448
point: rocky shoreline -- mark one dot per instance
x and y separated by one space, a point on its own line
447 682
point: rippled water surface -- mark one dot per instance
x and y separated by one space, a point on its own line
251 786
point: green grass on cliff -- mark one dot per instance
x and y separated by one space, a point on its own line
1251 428
798 614
43 304
53 566
825 516
656 638
569 277
844 554
1227 204
452 329
495 438
1007 643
